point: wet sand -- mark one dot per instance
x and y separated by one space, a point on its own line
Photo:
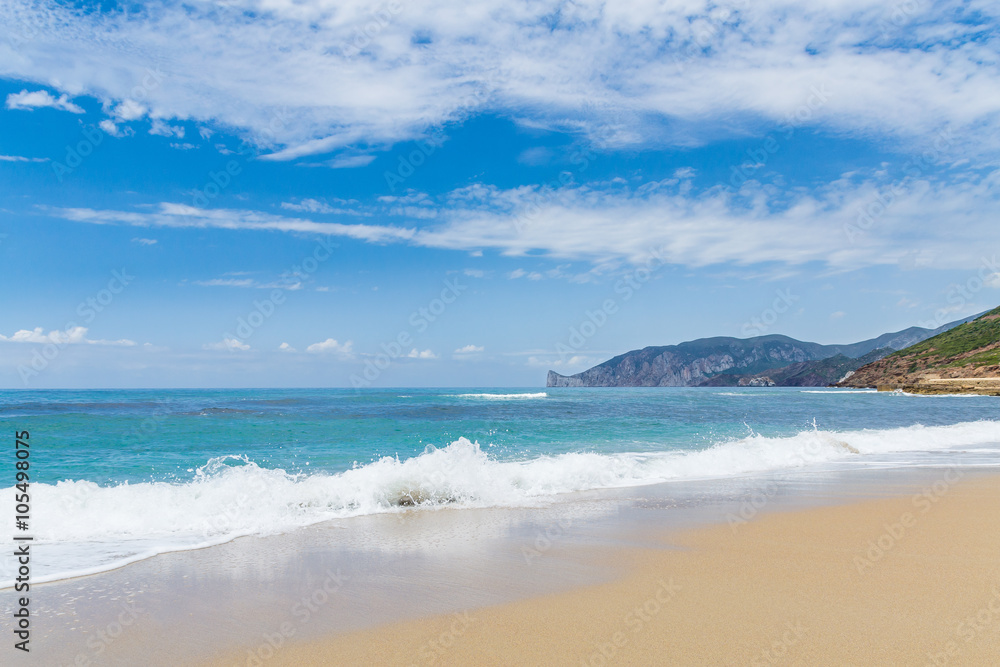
910 580
751 570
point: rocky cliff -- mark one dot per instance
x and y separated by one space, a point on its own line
963 359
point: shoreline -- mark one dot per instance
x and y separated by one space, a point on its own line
947 387
898 580
332 589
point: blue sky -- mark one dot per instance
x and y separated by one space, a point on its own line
504 187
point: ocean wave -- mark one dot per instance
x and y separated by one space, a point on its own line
838 391
85 527
504 397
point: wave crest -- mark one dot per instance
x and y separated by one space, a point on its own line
88 526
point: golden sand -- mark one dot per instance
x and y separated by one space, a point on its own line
901 581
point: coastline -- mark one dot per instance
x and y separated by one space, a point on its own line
910 579
948 386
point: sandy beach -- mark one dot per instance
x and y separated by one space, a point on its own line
907 580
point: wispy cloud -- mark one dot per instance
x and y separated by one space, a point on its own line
72 336
332 347
39 99
349 161
181 215
310 205
949 219
18 158
227 282
228 345
627 73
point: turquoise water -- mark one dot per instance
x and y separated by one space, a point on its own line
165 435
121 475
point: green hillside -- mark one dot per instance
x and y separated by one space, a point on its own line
965 359
952 348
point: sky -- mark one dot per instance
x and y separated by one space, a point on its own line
268 193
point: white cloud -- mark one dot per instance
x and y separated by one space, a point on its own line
182 215
424 354
129 109
142 241
470 349
39 99
285 347
837 315
950 218
992 280
109 127
331 346
343 206
163 129
227 282
629 72
18 158
72 336
349 161
535 156
229 345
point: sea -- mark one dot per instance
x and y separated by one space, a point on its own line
117 476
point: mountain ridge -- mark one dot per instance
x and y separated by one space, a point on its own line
693 363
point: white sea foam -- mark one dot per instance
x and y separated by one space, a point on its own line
504 397
82 527
839 391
